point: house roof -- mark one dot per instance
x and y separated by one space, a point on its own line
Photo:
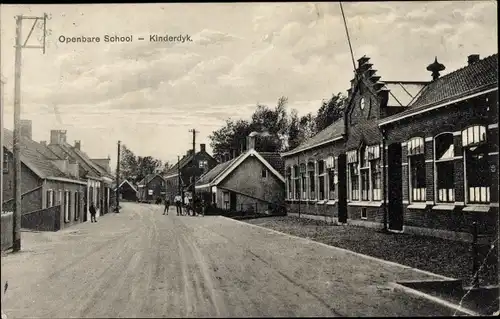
469 80
212 174
126 182
66 151
182 163
222 172
329 134
275 160
34 156
148 179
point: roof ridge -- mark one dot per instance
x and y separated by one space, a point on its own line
462 68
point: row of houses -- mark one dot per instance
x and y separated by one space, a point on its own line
59 181
419 157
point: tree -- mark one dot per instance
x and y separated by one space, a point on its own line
330 111
135 168
145 166
128 164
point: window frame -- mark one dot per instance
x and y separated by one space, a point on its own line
436 163
311 190
331 177
409 156
289 178
322 175
466 148
263 173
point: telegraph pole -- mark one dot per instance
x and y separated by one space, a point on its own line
193 161
118 178
17 120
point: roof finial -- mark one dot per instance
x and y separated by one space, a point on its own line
435 67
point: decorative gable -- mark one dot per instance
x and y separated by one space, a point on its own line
366 95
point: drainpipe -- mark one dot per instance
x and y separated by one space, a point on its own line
384 172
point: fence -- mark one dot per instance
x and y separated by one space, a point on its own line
48 219
7 229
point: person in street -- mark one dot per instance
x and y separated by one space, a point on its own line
92 213
167 206
178 204
186 205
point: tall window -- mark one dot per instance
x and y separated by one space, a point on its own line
444 167
289 183
77 206
416 162
98 198
67 205
49 199
321 180
353 173
226 200
296 181
365 174
373 157
477 174
303 180
330 166
311 177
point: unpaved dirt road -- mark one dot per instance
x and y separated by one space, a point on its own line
140 263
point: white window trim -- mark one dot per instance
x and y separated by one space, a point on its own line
466 187
50 202
436 191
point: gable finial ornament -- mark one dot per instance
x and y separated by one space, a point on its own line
435 68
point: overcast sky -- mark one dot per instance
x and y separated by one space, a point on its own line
148 95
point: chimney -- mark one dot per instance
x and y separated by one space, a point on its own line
26 129
78 145
203 148
251 141
189 152
57 136
473 58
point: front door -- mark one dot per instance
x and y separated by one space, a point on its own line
395 187
232 201
342 188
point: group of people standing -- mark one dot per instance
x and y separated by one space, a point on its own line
191 208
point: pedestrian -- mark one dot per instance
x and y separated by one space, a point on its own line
92 213
167 206
186 204
178 204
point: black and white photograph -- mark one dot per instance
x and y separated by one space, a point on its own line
249 159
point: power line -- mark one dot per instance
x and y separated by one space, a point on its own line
348 37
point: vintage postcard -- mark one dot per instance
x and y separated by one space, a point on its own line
249 159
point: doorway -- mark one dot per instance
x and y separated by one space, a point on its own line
395 187
342 188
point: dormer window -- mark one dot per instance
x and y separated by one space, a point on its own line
362 103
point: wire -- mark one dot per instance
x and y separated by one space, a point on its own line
348 37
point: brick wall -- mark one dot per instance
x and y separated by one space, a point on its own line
451 119
319 153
